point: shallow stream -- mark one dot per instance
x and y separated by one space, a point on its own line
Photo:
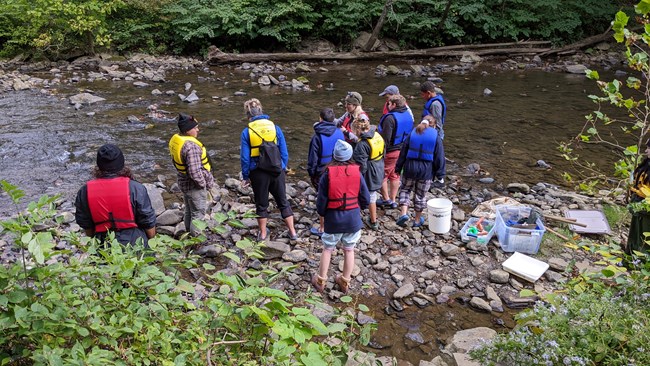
49 147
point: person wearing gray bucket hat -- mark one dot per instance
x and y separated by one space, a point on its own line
114 201
342 194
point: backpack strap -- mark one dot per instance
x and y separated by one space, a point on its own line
258 135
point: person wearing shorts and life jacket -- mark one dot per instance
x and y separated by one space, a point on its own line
114 201
341 197
353 110
261 129
394 127
422 157
389 92
321 148
369 154
194 172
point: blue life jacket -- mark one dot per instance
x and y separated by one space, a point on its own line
327 146
421 147
427 106
404 125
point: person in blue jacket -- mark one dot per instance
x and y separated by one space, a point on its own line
321 148
342 194
421 159
259 129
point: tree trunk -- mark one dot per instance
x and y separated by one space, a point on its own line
215 56
444 16
378 26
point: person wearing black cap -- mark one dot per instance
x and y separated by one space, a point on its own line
195 178
114 201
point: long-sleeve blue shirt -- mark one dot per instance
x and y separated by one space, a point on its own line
248 162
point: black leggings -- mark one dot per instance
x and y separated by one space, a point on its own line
264 183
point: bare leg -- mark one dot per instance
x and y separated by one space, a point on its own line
403 209
289 221
394 188
384 191
322 224
417 216
372 208
348 264
261 222
325 258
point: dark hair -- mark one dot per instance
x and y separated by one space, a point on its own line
428 86
327 114
124 172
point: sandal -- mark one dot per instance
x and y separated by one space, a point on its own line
318 282
344 283
372 225
401 221
315 231
419 223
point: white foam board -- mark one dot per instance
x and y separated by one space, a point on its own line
525 267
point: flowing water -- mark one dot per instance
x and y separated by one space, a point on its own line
49 147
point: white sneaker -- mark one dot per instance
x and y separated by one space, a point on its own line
441 180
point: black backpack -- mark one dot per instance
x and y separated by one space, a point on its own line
270 159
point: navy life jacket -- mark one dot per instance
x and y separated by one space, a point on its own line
403 126
427 106
421 147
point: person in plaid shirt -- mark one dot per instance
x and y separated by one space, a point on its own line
194 171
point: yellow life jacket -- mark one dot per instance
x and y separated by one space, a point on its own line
376 147
258 130
176 145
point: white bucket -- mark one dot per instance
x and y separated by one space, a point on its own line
439 210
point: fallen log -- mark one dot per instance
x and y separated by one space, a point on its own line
216 56
574 47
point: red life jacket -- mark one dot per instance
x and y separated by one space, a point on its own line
109 201
344 184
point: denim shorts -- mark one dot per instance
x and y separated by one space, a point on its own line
373 197
349 240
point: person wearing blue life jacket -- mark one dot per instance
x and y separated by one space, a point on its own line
389 92
434 105
261 129
421 159
321 150
393 127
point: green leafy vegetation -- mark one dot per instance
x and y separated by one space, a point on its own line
631 97
65 28
601 315
117 305
601 318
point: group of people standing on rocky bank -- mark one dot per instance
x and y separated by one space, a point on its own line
350 163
